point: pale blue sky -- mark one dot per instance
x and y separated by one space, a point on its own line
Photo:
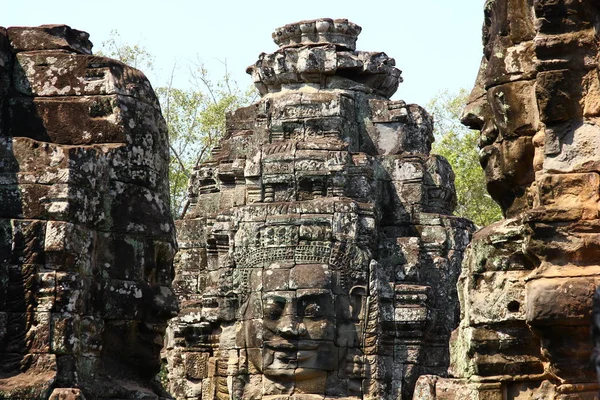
436 43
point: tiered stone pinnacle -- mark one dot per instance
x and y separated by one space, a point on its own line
339 32
321 53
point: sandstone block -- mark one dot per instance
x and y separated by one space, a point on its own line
49 37
78 75
570 304
514 106
99 119
569 196
575 149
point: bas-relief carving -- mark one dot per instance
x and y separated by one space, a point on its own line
86 239
527 282
317 258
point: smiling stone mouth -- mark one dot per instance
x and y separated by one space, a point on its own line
304 355
280 345
292 353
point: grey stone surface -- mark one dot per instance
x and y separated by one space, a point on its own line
86 237
527 282
318 257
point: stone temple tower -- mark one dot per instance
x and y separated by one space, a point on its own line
318 257
527 283
86 237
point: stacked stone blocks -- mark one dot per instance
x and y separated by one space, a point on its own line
318 258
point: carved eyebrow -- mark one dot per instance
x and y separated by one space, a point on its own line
275 298
314 294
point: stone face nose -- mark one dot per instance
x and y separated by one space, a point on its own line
288 326
165 305
472 115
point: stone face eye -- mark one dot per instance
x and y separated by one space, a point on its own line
312 310
273 309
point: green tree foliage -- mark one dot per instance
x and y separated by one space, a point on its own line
135 55
458 144
195 115
196 121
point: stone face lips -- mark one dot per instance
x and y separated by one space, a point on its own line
318 257
86 236
527 282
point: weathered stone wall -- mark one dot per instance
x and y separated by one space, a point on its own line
86 237
318 257
527 282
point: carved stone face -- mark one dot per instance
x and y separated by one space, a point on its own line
297 326
319 201
144 306
536 104
502 105
90 248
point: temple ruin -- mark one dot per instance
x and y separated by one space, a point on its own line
527 282
86 236
319 257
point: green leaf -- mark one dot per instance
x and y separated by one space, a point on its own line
458 144
195 116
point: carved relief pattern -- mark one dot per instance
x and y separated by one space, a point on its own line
318 258
527 283
86 237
